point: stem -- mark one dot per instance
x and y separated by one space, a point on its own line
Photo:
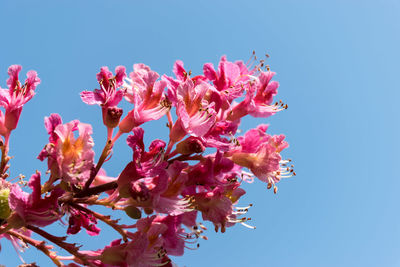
97 189
172 154
59 241
109 133
170 121
40 245
186 157
5 228
169 147
119 133
4 157
106 151
7 141
105 219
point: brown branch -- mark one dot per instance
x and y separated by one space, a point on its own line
4 160
97 189
40 245
59 241
106 151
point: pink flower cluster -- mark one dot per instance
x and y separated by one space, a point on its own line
168 187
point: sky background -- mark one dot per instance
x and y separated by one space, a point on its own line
338 67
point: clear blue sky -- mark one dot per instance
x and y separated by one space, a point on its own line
338 66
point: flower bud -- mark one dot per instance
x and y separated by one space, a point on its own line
148 211
114 255
5 210
128 123
133 212
12 118
111 116
190 145
177 132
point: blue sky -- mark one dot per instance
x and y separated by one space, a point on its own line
338 66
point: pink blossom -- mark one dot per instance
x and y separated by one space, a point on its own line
228 81
258 100
15 97
145 178
217 205
68 157
79 219
147 95
195 114
74 155
174 182
107 96
174 236
32 208
210 172
145 249
170 201
182 75
260 153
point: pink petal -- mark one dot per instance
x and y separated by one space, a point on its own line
13 72
92 98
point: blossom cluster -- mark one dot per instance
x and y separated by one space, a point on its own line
168 188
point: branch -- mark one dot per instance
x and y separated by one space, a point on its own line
40 245
59 241
106 151
97 189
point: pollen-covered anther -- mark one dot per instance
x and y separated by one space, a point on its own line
278 106
241 210
161 253
195 234
286 171
166 103
243 221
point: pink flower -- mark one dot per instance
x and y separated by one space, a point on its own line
79 219
145 249
258 100
15 97
228 81
195 114
182 75
228 76
210 172
174 236
218 135
217 205
68 157
147 94
170 201
48 151
260 153
107 96
32 208
145 178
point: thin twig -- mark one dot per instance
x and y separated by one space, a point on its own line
59 241
97 189
106 151
40 245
